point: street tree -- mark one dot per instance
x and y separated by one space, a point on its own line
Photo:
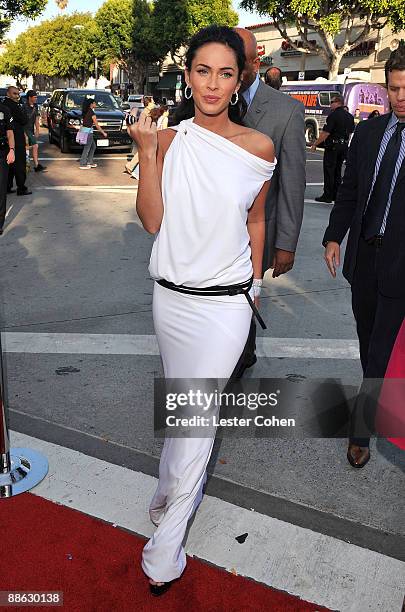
115 23
65 46
176 21
13 9
14 60
353 21
164 27
147 45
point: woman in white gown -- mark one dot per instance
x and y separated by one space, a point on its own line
202 191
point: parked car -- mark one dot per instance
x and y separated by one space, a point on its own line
65 118
135 101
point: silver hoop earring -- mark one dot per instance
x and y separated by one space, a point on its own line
236 100
185 93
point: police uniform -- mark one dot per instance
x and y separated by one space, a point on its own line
18 170
6 123
339 125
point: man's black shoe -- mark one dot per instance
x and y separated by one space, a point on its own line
10 190
26 192
1 231
323 199
39 168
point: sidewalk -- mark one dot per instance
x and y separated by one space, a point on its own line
95 563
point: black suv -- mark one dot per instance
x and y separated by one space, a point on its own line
64 119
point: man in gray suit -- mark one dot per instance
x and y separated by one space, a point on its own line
282 118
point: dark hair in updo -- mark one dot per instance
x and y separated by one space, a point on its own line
225 36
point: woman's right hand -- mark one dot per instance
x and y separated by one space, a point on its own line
144 132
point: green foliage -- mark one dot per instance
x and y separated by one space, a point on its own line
5 24
175 21
55 48
329 14
12 9
132 33
115 21
170 24
30 9
14 61
306 7
393 10
331 23
206 12
329 18
60 49
147 40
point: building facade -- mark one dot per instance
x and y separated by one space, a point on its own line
369 56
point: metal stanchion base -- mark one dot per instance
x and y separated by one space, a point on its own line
28 468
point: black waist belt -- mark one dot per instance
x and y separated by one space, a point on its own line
218 290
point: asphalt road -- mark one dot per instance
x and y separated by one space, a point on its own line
73 260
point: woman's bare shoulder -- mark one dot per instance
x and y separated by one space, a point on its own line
254 142
260 144
165 138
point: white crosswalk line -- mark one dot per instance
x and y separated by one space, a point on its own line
91 188
143 344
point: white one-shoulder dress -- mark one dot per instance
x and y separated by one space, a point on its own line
208 185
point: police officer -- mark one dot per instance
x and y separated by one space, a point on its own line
18 169
335 134
6 157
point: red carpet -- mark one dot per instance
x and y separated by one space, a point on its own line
45 546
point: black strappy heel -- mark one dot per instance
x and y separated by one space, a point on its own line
158 590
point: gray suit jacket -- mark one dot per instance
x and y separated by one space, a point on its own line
282 118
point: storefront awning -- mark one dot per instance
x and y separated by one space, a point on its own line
168 81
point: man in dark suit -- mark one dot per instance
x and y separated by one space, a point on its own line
370 204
